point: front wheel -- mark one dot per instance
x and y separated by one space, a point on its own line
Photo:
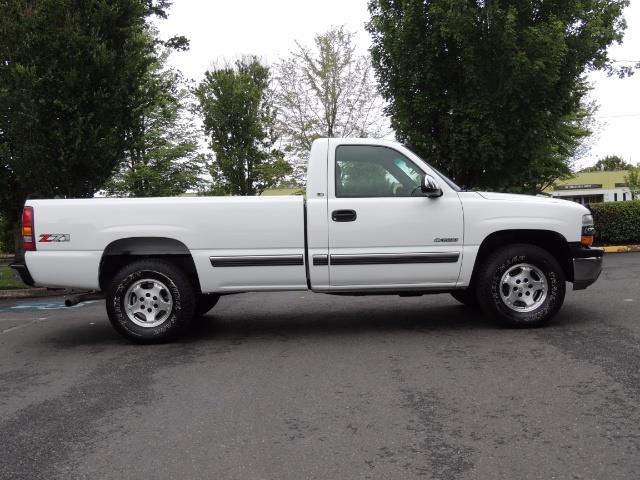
150 301
521 286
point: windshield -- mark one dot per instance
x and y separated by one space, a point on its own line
450 182
447 180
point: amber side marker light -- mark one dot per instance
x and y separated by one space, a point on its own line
586 240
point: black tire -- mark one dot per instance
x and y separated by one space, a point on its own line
491 290
172 286
466 297
204 303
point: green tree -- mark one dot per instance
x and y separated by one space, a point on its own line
236 105
6 237
71 77
609 163
162 156
327 90
633 181
493 93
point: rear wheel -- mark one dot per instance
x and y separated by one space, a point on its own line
521 286
150 301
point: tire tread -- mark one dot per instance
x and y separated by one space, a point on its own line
493 307
166 331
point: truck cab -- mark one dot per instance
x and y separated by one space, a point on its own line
370 224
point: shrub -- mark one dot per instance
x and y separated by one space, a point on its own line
617 222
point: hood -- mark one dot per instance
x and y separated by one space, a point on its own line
515 197
536 200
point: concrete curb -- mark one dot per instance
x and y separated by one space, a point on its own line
33 292
620 248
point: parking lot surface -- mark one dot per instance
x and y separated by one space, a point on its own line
305 386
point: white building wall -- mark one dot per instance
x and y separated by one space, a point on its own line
609 195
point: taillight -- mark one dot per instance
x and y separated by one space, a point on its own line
28 229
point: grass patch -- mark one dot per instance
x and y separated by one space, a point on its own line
7 282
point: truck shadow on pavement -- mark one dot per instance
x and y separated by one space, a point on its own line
279 324
339 322
242 325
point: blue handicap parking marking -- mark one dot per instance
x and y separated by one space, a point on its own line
42 305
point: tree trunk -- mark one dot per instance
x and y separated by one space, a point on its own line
17 236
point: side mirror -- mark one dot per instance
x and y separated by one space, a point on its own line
430 187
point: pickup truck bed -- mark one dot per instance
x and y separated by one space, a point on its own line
266 228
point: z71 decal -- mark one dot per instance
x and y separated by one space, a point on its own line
54 237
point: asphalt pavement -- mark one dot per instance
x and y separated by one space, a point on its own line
305 386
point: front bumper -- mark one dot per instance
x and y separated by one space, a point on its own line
23 272
587 265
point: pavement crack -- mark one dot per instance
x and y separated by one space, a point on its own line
446 459
40 441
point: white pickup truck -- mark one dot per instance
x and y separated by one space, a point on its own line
376 219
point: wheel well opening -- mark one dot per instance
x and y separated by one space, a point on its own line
552 242
124 251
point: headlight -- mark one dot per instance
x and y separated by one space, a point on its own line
588 230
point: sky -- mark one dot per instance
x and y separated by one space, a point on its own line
227 29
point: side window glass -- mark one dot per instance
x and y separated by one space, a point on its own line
410 169
374 171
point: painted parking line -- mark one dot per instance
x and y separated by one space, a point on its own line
22 325
43 305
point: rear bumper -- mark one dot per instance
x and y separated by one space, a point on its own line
587 265
23 272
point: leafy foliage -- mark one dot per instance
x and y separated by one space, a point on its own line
609 163
162 155
235 101
6 236
617 222
71 81
492 93
633 180
327 90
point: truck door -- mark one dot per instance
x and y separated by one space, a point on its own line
382 231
